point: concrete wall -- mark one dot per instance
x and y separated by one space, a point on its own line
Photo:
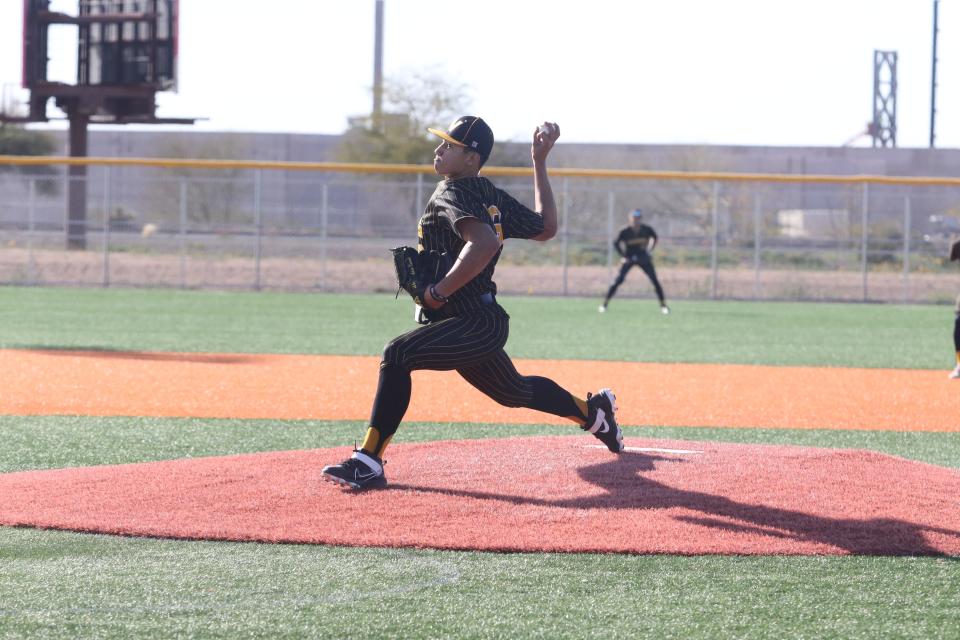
319 148
295 195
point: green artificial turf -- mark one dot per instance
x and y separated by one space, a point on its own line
50 442
59 584
854 335
70 585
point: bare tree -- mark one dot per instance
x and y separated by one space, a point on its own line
15 140
213 197
413 101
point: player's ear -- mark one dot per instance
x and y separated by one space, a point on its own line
475 160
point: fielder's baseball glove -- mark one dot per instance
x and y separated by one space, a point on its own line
417 270
955 251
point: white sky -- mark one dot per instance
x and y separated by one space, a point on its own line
752 72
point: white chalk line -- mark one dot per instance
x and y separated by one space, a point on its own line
649 449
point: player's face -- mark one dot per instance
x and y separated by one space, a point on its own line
453 161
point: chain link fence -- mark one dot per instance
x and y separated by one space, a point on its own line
321 228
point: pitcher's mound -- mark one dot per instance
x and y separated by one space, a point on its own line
521 494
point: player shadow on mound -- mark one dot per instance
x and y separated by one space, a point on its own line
624 487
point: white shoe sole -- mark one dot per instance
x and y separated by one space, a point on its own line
339 481
611 396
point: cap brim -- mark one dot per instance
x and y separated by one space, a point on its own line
445 136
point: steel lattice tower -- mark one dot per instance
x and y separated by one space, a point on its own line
883 127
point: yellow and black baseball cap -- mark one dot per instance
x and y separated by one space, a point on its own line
470 132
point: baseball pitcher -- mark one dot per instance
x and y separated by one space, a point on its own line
463 327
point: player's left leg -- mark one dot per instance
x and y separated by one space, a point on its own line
646 263
500 380
439 346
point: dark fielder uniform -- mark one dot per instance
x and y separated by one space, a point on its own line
955 256
473 329
631 244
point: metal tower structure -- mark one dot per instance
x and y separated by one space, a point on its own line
126 54
883 127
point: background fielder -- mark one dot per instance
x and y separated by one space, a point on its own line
634 243
955 256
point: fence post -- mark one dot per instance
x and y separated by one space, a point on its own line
907 289
566 230
714 245
757 221
31 216
611 200
106 226
258 222
324 213
418 201
864 236
183 233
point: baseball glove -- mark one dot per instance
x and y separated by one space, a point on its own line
955 251
417 270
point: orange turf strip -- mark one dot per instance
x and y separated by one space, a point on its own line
39 382
559 494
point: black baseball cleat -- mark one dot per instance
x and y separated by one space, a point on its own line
601 421
359 471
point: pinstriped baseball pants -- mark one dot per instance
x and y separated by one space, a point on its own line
473 346
453 343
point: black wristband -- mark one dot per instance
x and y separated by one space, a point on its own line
436 296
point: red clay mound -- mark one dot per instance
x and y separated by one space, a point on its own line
521 494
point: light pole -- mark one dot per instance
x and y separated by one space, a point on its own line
377 115
933 78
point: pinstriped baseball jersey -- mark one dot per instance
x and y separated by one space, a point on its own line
473 197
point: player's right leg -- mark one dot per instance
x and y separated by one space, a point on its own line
498 379
612 290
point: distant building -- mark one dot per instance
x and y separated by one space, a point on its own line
813 223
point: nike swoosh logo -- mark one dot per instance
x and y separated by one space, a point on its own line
605 428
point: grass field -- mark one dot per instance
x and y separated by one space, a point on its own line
58 584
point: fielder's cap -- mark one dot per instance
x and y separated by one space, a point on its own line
637 213
470 132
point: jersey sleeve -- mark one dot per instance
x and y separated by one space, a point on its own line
621 241
516 219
